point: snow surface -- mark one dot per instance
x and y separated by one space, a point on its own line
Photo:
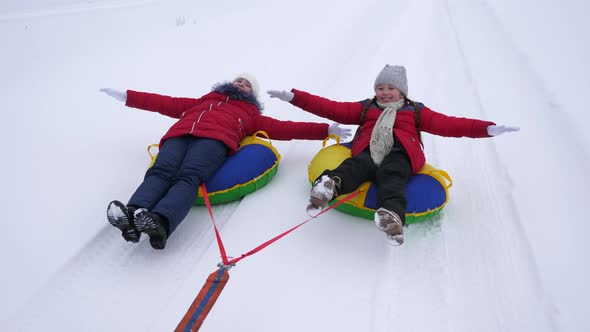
506 254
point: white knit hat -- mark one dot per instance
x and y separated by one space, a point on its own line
253 82
394 75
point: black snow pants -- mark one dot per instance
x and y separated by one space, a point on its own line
390 178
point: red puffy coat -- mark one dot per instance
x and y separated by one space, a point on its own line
404 128
217 116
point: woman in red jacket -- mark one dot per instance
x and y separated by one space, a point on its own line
386 148
208 129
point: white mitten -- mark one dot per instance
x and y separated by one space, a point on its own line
499 130
119 95
335 129
282 95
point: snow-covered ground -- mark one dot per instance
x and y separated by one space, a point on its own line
507 253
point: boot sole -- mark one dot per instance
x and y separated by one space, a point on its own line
393 229
146 224
318 201
396 240
398 237
120 220
313 210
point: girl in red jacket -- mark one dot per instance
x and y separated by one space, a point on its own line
208 129
386 148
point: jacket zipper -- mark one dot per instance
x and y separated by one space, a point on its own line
199 118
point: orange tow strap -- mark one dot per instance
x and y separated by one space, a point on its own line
204 301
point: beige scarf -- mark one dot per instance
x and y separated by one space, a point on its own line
382 135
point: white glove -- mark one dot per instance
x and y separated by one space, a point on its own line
335 129
499 130
119 95
282 95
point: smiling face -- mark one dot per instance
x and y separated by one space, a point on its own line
243 85
387 93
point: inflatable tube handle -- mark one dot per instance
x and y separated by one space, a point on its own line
444 175
263 133
335 137
252 138
149 148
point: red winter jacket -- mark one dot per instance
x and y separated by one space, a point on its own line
404 128
217 116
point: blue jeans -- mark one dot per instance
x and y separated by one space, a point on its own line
171 185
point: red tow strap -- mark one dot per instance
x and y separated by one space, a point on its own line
217 280
217 235
232 262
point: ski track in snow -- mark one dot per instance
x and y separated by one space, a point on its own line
421 262
498 222
494 231
127 272
65 7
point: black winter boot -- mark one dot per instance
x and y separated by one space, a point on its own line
121 217
154 225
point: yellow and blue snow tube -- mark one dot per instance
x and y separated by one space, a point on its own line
253 166
427 191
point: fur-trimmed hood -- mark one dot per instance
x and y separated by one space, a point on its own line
228 89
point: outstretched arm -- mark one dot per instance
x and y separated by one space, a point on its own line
342 112
450 126
169 106
288 130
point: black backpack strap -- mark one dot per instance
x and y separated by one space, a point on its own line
416 119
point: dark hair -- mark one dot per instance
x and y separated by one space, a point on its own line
365 108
